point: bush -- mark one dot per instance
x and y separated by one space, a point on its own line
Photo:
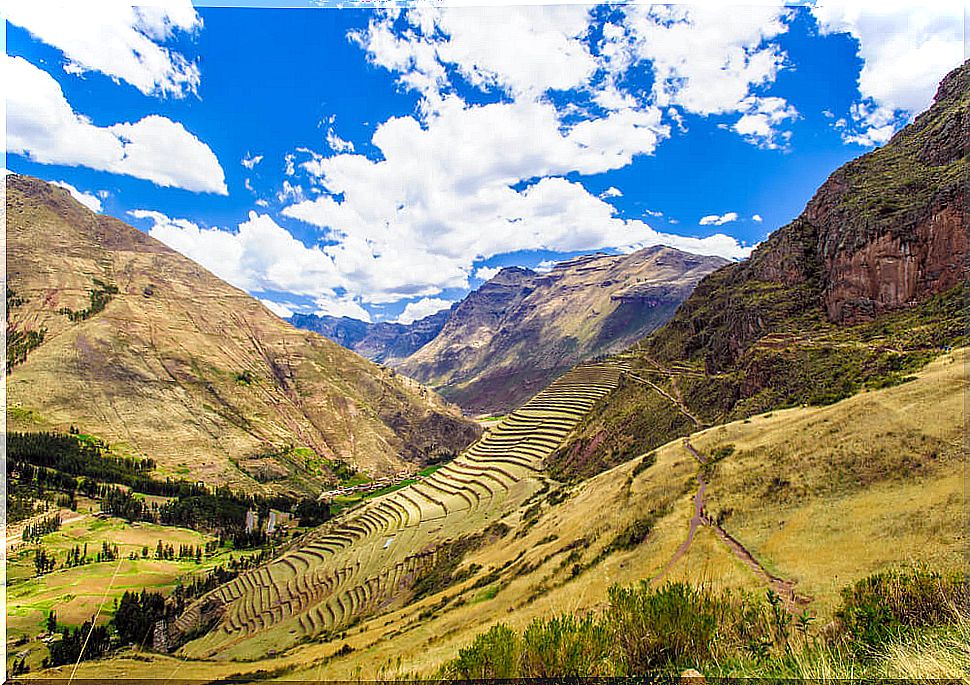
672 626
566 647
883 606
493 654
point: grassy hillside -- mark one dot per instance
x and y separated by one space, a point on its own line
804 500
126 339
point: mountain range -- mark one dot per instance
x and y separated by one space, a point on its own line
521 329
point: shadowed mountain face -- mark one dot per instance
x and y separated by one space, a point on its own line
861 289
512 336
111 331
385 343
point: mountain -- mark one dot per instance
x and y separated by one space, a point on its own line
864 287
112 332
521 329
382 342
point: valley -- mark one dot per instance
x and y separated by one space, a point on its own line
567 545
748 468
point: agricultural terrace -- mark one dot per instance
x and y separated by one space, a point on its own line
369 561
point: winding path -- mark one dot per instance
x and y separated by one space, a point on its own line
783 587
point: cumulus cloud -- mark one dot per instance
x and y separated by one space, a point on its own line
250 161
279 308
89 200
757 218
116 39
342 306
762 119
335 142
466 197
415 311
545 266
906 49
42 126
487 273
612 191
707 60
259 256
718 219
522 50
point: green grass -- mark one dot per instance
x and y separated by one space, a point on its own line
728 633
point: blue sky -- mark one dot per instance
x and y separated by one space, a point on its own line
378 163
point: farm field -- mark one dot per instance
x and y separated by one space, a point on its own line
76 593
567 545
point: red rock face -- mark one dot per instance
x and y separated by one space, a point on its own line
889 273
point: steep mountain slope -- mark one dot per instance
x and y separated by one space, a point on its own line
863 287
117 334
383 342
518 331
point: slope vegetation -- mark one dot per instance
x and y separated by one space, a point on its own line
400 545
113 332
803 501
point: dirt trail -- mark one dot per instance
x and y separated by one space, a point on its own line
783 587
14 539
697 520
674 400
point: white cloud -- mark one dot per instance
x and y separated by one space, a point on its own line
522 50
906 47
335 142
757 217
290 192
414 311
259 256
705 59
280 309
612 191
545 266
653 213
718 219
116 39
487 273
761 119
42 125
89 200
250 161
342 306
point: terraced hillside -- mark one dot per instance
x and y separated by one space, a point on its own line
375 558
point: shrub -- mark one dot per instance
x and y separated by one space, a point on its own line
881 607
672 626
493 654
566 647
